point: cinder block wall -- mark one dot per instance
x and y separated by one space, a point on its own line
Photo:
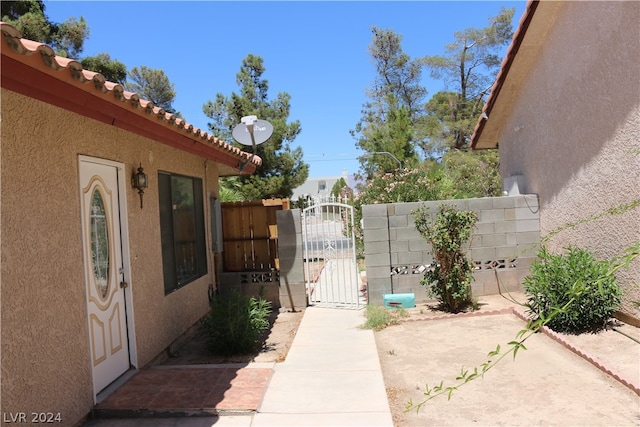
505 242
253 284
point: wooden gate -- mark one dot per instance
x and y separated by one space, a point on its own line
250 235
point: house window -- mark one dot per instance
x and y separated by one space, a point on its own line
322 185
181 230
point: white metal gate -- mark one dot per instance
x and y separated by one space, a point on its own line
331 270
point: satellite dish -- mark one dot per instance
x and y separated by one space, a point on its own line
252 132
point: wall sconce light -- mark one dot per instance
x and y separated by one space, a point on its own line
139 182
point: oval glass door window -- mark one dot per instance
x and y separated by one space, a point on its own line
99 243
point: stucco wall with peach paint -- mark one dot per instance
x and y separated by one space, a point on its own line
45 359
574 132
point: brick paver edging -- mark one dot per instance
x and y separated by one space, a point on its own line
551 334
593 360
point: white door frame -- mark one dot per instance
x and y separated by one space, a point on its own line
126 259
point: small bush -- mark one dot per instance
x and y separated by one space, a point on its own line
235 323
450 280
557 279
379 317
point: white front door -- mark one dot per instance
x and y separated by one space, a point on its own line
104 270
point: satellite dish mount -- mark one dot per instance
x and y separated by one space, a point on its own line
253 132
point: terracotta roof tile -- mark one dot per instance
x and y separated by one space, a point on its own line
128 100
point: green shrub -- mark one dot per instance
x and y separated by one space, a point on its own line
450 280
235 323
557 279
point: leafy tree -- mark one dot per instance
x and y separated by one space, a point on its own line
341 189
425 182
475 173
389 119
112 69
28 17
393 136
429 181
449 232
460 175
67 38
16 9
152 85
440 124
230 190
468 69
282 167
397 73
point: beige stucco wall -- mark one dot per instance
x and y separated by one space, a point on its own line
574 131
45 361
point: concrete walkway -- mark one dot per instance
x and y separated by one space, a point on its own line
331 376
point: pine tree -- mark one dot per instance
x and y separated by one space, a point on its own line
282 168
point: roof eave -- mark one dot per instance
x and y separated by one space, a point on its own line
63 82
507 62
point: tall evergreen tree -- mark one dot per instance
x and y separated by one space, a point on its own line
282 168
467 68
152 85
67 39
389 118
394 136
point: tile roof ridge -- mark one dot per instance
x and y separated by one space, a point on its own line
27 47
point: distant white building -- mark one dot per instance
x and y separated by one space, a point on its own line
321 186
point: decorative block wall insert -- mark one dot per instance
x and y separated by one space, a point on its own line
505 241
479 265
260 276
411 269
495 264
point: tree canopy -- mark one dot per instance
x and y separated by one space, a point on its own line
389 118
67 39
467 68
152 85
397 120
282 168
460 175
112 69
28 16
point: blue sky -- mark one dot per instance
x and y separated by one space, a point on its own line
315 51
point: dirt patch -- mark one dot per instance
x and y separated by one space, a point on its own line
276 343
547 384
